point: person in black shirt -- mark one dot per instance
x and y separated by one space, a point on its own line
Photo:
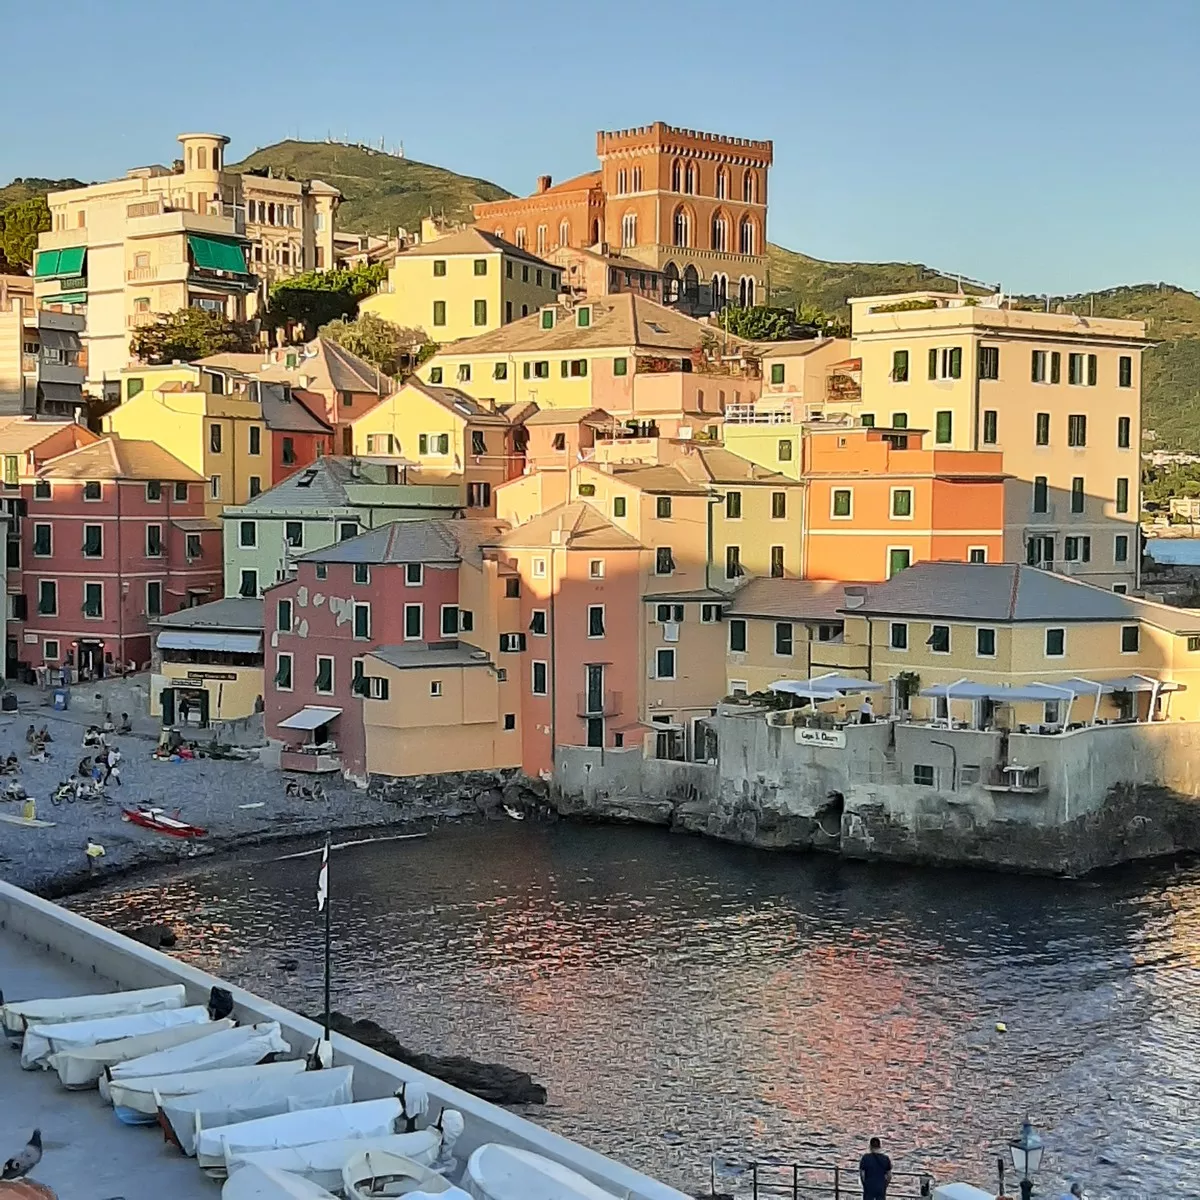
875 1171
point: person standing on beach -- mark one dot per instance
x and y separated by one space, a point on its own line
875 1171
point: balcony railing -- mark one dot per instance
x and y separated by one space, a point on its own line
759 414
607 704
139 320
136 274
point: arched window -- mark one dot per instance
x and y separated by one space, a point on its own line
564 233
499 231
216 158
691 284
690 179
746 292
189 158
682 227
720 232
637 179
541 239
722 183
201 159
747 237
677 176
670 290
720 290
621 182
519 237
629 229
749 187
596 233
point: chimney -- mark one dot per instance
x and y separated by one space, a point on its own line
856 597
543 183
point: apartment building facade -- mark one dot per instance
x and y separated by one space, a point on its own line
42 361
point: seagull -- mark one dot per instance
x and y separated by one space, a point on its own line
21 1164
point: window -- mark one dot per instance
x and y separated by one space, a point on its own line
541 370
41 489
414 615
733 562
784 450
664 613
324 681
464 372
43 545
985 643
479 494
1121 548
733 506
214 487
989 426
539 679
439 267
899 420
50 648
1123 432
619 506
347 530
1077 429
902 502
1077 498
249 584
922 775
481 312
989 362
1122 495
439 312
777 372
867 420
596 568
154 598
664 561
539 568
1056 643
214 438
1040 502
248 533
583 316
664 664
898 639
939 639
47 598
414 574
93 600
899 366
91 490
153 491
537 622
1091 370
283 616
977 554
449 620
783 639
1042 429
154 542
737 636
512 588
255 439
1193 644
321 570
362 620
283 672
500 370
435 374
1125 371
943 425
1120 589
620 366
93 541
480 266
1055 367
945 363
1077 549
255 486
1037 366
192 547
595 622
710 614
1130 639
842 502
662 507
776 562
778 506
899 559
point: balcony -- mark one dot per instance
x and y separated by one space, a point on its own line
139 320
139 274
759 414
68 373
607 704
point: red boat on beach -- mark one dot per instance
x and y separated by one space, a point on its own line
157 819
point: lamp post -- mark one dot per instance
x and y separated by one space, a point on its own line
1027 1156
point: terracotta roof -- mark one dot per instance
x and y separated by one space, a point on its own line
18 434
471 240
695 473
589 179
569 416
459 403
790 599
792 349
576 526
119 458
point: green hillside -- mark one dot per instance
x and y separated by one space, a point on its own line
379 191
23 189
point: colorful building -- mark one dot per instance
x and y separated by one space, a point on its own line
798 380
463 284
588 274
42 362
298 436
690 205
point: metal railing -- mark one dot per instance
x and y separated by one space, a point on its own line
807 1181
759 414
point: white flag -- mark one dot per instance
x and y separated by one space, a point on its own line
323 879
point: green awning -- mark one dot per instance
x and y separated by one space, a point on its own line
71 298
47 264
52 263
211 254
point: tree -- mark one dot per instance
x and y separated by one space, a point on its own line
391 348
189 334
764 324
315 298
20 224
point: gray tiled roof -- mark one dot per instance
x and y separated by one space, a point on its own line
282 413
423 541
432 654
234 612
790 599
324 484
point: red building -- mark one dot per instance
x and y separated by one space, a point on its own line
113 535
298 435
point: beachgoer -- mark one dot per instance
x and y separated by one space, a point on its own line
126 725
866 714
875 1171
94 852
109 727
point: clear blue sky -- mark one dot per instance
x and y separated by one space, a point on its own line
1046 144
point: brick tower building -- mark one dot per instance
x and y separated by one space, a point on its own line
691 205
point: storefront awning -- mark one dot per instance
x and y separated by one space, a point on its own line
210 254
50 264
310 717
234 643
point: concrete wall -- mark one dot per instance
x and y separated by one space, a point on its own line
131 965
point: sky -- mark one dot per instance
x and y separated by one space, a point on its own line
1045 145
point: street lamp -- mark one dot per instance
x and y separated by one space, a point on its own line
1027 1156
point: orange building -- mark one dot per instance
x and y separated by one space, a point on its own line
877 502
691 205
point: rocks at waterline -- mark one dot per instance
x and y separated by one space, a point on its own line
489 1081
157 937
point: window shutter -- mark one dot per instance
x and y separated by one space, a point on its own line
933 359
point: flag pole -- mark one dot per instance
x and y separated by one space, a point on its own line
327 905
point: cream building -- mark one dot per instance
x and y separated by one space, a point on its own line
166 238
1058 393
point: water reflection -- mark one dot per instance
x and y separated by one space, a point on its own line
680 998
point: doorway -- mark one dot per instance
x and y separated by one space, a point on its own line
11 664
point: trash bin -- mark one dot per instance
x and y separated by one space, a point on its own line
62 699
8 702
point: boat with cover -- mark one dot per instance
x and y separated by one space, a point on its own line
183 1117
496 1172
136 1101
322 1162
82 1066
369 1118
19 1013
240 1047
372 1174
43 1040
157 820
266 1183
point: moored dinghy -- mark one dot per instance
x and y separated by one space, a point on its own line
19 1013
266 1183
136 1100
43 1040
496 1172
82 1066
372 1174
184 1117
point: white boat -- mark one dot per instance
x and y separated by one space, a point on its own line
19 1013
496 1172
43 1040
137 1100
82 1066
451 1193
371 1174
370 1118
240 1047
322 1162
234 1103
266 1183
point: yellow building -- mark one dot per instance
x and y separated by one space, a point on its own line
463 284
223 438
1059 394
166 238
